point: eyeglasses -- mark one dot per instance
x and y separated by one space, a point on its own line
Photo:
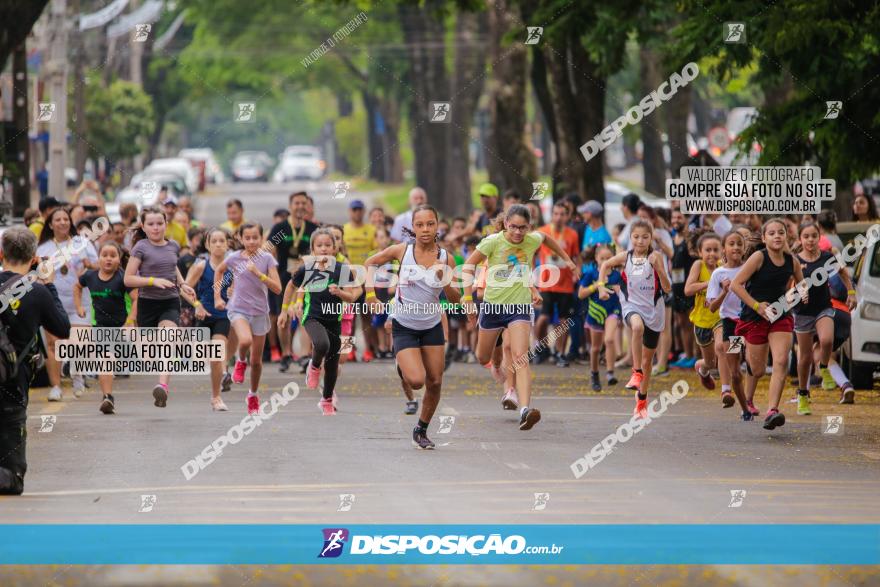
90 208
518 227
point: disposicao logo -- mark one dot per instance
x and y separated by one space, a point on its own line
334 541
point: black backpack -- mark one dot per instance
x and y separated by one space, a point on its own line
10 359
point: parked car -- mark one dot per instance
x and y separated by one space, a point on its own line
300 162
251 166
213 171
861 353
177 166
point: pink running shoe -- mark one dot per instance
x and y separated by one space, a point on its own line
313 377
327 407
253 404
752 409
238 372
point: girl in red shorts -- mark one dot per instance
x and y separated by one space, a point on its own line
764 279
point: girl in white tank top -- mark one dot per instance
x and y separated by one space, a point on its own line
416 315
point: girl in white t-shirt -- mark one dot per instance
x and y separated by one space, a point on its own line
718 295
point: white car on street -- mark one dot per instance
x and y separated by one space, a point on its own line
861 354
300 162
177 166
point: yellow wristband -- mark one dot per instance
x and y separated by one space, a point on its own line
467 298
151 280
371 295
197 304
263 277
285 306
129 322
756 305
851 292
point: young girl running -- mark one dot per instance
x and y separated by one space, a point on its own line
722 300
764 279
416 325
152 269
644 280
201 278
507 301
706 321
317 306
602 316
111 304
815 316
254 274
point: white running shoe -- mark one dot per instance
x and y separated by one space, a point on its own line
55 394
79 386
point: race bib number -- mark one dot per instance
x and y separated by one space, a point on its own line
678 276
638 266
736 345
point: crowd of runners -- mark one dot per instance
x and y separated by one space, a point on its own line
659 291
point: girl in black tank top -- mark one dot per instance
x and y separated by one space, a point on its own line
762 281
768 284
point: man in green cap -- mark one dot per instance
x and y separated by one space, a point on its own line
481 222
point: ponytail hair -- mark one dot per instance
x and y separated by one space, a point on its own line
514 210
138 230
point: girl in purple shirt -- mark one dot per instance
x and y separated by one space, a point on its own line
254 272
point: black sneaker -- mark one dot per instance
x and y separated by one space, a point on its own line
107 404
561 361
747 416
226 382
774 420
610 378
594 379
160 396
420 439
848 395
529 418
411 407
284 365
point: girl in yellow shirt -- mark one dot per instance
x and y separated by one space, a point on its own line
705 321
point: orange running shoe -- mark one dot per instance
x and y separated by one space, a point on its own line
641 409
635 381
367 356
275 354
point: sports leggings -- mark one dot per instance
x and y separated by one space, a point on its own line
325 351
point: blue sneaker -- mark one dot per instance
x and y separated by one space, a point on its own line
689 363
747 417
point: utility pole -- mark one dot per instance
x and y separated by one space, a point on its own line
58 82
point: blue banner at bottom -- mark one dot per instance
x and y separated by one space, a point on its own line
758 544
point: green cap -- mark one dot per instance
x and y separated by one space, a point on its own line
488 189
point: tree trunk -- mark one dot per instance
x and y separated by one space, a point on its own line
21 182
652 150
589 94
469 68
545 103
393 164
375 167
677 111
441 148
427 77
510 161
